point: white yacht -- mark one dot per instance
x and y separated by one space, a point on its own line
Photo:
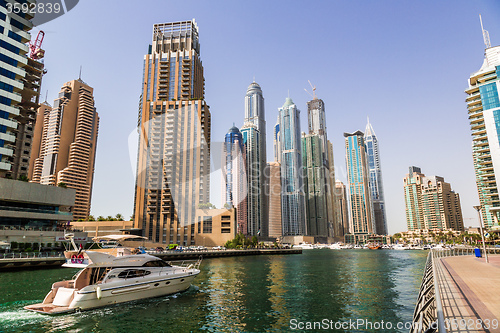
107 279
305 246
400 247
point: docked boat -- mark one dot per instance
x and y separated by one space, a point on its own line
305 246
374 246
400 247
107 279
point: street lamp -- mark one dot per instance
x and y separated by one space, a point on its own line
478 208
40 247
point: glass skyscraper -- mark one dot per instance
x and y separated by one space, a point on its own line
292 191
483 106
234 176
20 80
361 209
254 138
319 175
376 187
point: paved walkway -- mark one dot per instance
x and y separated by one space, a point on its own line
470 293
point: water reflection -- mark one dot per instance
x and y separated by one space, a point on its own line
241 294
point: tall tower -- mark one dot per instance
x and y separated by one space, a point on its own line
254 133
20 81
68 142
319 176
430 203
273 187
255 195
292 191
361 217
375 179
173 165
234 176
413 198
483 106
342 210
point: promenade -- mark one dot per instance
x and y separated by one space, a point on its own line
470 293
460 292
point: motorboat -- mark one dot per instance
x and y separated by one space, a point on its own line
400 247
107 279
374 246
305 246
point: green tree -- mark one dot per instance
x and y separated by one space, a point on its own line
119 217
228 206
91 218
63 185
101 218
255 241
23 178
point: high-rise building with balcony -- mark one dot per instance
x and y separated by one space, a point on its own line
342 209
255 182
67 136
319 176
430 203
273 194
173 167
234 178
292 186
20 80
483 106
254 137
376 187
361 208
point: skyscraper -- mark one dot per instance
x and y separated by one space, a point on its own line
273 193
319 176
361 209
68 140
376 187
483 106
173 165
315 186
255 195
20 82
413 198
234 177
342 209
430 203
292 190
254 137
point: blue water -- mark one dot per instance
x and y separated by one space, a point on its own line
245 294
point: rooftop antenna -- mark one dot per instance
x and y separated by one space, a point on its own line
80 76
254 79
486 35
313 95
46 94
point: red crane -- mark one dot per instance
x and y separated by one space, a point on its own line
36 51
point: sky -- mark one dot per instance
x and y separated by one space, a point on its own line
403 63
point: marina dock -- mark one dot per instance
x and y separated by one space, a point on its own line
29 261
459 292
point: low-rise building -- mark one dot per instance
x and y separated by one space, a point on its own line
214 227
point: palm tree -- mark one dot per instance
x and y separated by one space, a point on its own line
119 217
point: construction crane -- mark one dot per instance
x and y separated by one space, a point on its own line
36 51
313 95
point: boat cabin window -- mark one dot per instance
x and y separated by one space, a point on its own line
156 263
133 273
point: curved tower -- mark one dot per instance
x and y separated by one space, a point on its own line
375 180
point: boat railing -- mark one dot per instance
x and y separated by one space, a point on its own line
187 263
31 255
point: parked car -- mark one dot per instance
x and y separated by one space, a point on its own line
160 249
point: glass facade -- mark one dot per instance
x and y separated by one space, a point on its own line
292 195
375 180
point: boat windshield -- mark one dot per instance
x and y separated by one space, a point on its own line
156 263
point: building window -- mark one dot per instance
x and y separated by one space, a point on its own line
207 224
